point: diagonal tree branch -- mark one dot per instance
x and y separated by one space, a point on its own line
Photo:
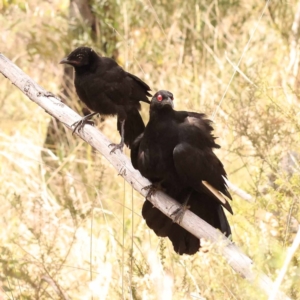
241 263
290 253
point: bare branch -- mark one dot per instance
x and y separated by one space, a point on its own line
241 263
55 287
236 190
290 253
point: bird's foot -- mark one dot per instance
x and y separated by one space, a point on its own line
178 214
47 95
80 124
116 147
151 190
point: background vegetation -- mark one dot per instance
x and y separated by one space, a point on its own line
71 228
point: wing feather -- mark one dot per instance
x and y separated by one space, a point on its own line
195 166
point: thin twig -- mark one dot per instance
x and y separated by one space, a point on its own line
236 190
55 287
237 69
240 60
290 253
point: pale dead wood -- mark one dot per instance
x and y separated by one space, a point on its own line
290 253
241 263
236 190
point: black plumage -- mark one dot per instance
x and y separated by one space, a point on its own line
175 153
107 89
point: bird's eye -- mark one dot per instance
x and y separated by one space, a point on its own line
159 98
172 98
79 56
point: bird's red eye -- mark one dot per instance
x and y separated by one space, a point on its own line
159 98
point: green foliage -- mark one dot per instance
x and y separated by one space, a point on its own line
70 224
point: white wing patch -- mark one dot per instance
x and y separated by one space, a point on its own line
214 191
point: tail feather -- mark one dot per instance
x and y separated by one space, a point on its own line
183 241
210 211
156 220
224 224
133 127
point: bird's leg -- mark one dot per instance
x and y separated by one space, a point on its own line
179 212
121 144
152 188
85 120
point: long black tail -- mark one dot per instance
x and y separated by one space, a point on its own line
183 241
133 127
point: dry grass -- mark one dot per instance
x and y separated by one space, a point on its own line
69 223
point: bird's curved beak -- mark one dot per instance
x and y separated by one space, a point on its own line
64 61
168 101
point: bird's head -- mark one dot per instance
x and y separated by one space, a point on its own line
162 99
80 57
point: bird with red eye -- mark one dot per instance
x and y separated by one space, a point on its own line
176 153
164 99
159 98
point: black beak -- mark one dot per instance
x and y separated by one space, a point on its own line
64 61
168 101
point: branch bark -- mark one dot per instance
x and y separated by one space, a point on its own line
241 263
290 253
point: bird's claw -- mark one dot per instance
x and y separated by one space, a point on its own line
178 214
47 95
80 124
116 147
151 190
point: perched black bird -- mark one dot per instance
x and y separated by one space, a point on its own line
107 89
175 153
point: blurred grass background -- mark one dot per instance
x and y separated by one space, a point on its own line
71 228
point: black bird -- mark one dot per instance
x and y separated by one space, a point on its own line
175 153
107 89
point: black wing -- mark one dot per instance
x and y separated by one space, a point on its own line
135 151
140 90
202 170
196 129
